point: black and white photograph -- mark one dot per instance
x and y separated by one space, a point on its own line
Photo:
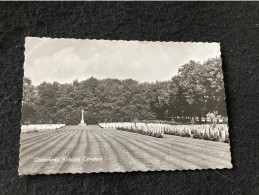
93 106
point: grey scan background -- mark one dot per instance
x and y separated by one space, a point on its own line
234 25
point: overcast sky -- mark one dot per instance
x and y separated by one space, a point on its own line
65 60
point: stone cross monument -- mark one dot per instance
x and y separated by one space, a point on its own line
82 123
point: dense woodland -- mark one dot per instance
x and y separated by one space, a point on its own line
196 90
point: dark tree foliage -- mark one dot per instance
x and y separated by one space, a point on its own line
196 90
199 89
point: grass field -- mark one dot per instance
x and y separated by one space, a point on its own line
120 151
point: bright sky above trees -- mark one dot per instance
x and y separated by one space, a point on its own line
65 60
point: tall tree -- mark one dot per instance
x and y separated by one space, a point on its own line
29 102
196 90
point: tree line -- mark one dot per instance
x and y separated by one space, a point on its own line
196 90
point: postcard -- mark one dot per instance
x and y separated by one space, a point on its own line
93 106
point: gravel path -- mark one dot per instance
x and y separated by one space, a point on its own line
75 149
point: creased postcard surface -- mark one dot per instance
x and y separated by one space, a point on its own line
120 106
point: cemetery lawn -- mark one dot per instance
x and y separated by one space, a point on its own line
93 149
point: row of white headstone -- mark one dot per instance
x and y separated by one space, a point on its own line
153 128
220 130
40 127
